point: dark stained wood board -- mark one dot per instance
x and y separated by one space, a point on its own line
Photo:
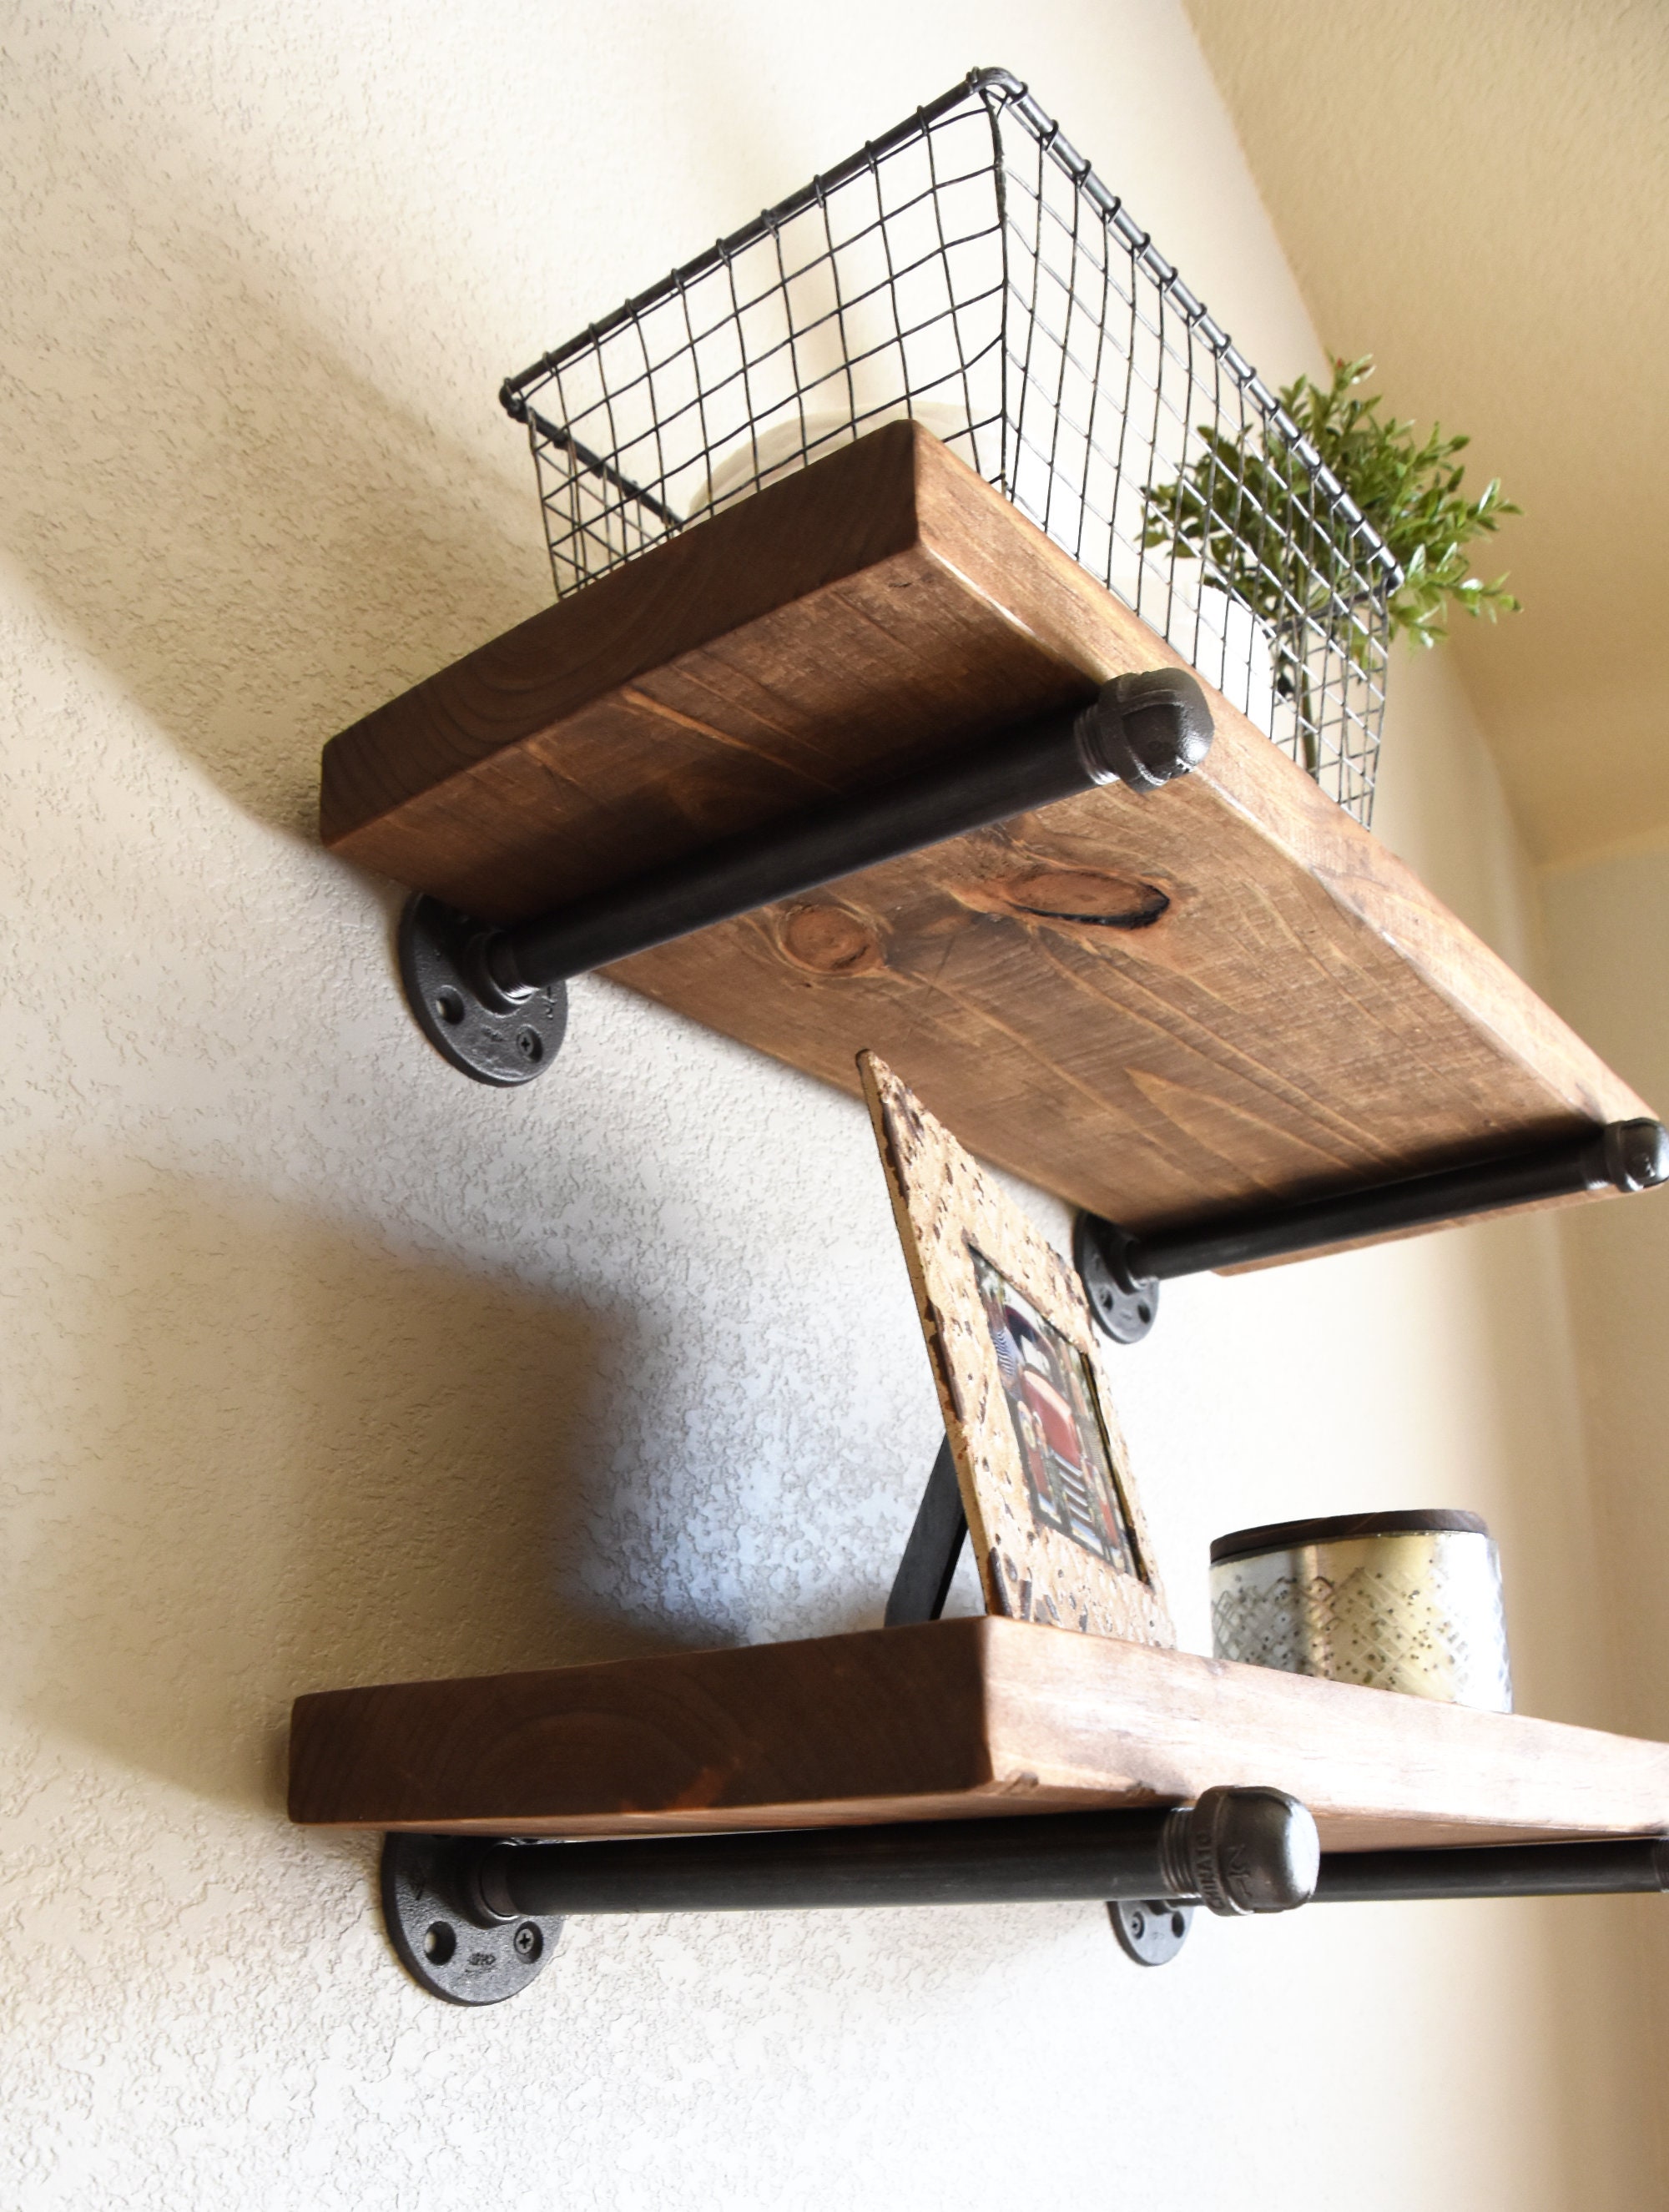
1158 1008
952 1719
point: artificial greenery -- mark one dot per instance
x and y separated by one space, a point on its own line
1246 507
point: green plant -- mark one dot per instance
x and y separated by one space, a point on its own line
1247 508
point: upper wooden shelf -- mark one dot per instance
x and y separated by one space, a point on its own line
1158 1007
952 1719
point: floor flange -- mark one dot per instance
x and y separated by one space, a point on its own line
466 1960
1123 1305
1151 1932
504 1043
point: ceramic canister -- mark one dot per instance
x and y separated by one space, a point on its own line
1396 1601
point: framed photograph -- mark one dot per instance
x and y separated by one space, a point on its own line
1043 1468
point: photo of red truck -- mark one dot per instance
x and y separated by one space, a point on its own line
1051 1391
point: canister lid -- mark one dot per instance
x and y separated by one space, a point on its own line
1340 1529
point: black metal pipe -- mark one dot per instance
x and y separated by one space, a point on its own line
935 1545
1608 1866
1241 1850
1623 1156
1142 729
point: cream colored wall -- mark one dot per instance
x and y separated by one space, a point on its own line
1478 196
1608 934
1578 1610
322 1365
1608 941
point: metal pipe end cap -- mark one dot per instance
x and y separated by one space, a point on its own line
1637 1154
1151 727
1254 1851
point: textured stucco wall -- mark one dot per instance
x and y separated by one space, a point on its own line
321 1364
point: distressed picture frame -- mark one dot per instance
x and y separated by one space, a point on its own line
1044 1470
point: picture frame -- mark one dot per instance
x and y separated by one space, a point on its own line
1044 1470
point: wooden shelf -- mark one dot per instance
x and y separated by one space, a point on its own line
952 1719
1263 1004
1161 1008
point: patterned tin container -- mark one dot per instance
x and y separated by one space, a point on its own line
1407 1602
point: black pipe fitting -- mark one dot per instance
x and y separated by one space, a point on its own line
1150 728
1144 729
1237 1850
492 1001
474 1920
1122 1271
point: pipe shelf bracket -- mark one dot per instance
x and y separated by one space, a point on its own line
475 1919
1122 1270
493 1001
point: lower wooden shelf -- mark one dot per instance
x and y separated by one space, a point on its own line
952 1719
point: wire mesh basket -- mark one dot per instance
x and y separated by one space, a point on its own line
970 271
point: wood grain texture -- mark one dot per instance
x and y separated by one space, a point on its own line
950 1214
951 1719
1159 1007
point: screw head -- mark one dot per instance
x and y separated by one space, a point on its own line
528 1941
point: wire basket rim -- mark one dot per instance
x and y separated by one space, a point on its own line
1000 89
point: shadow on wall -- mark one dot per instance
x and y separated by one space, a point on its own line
262 1499
243 529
